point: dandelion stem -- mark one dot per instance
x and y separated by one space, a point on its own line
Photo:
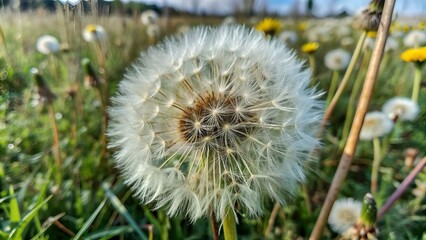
333 86
271 220
353 138
312 65
376 166
417 83
344 81
56 148
229 226
214 226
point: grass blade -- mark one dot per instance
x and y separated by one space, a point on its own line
17 232
114 231
123 211
90 220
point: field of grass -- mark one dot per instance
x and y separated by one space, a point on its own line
58 179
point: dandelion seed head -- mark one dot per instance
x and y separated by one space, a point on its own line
93 33
401 108
233 133
376 124
48 44
149 17
415 38
344 214
337 59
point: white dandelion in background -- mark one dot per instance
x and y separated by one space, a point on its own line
94 33
401 108
149 17
376 124
337 59
217 119
415 38
48 44
344 214
288 37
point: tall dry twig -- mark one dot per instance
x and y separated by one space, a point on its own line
350 147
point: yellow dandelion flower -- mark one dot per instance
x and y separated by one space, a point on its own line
417 55
371 34
310 47
302 26
270 26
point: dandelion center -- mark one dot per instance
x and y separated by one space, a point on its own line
217 121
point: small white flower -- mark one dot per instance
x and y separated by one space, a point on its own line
337 59
288 37
401 108
212 119
149 17
93 33
415 38
344 214
376 124
48 44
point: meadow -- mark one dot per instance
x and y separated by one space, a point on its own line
59 179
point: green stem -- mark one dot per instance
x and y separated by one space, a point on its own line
229 226
344 81
333 86
417 84
312 65
376 165
352 102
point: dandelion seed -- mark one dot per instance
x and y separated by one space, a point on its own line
344 214
214 119
48 44
337 59
376 124
401 108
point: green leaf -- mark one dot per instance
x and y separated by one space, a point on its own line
114 231
17 232
15 215
123 211
89 221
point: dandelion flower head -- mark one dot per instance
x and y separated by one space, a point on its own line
213 119
310 47
288 37
337 59
48 44
149 17
344 214
270 26
401 108
376 124
93 33
416 55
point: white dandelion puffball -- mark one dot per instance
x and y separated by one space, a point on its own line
401 108
337 59
376 124
93 33
149 17
153 30
344 214
213 119
288 37
48 44
415 38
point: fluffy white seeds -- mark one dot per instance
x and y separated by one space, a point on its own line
337 59
288 37
216 119
401 108
48 44
93 33
376 124
149 17
415 38
344 214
